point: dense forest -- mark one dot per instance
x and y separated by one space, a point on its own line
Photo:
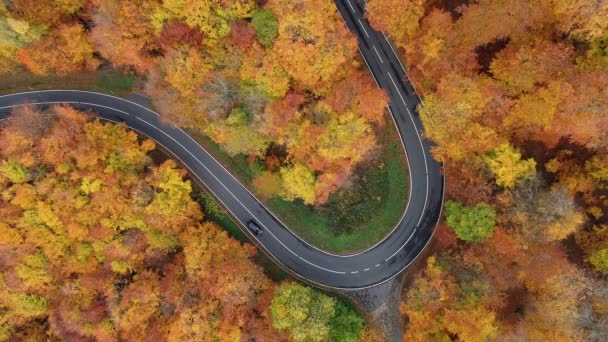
97 240
277 86
516 98
279 82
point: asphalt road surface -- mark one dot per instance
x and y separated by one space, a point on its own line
355 271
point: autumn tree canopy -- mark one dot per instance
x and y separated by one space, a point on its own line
514 97
100 242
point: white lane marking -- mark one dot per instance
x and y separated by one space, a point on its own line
377 265
400 248
411 118
102 106
363 27
417 255
80 91
426 198
426 165
222 202
370 69
65 102
351 6
236 198
378 54
395 53
193 156
56 102
354 272
402 67
365 270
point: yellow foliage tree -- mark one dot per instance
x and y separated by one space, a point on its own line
399 18
347 136
212 17
186 70
539 108
582 19
298 182
313 46
477 324
508 167
452 118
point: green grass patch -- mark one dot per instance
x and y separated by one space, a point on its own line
105 80
117 83
363 219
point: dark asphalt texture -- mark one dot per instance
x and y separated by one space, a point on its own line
361 270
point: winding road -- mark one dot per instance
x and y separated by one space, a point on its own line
355 271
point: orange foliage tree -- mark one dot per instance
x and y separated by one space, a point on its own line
64 50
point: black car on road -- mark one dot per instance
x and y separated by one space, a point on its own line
254 228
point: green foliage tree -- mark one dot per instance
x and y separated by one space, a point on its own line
14 171
266 26
17 33
471 224
305 313
346 324
29 305
599 259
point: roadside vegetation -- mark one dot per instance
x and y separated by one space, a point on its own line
354 218
276 90
100 242
106 80
516 99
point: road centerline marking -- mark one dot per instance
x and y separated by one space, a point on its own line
363 27
411 118
378 54
351 6
399 250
